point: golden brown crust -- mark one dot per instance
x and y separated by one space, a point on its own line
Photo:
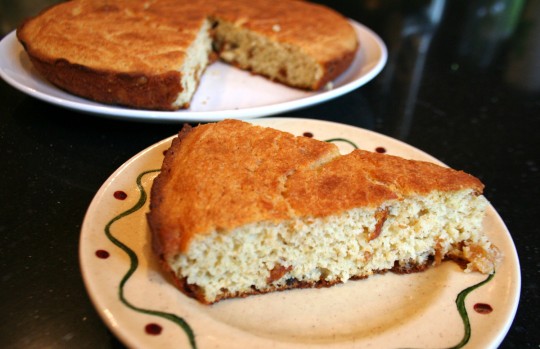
197 191
366 179
221 176
112 52
130 52
113 36
159 237
410 176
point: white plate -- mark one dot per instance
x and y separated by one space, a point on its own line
224 91
384 311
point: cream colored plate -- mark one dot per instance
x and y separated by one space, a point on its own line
385 311
224 91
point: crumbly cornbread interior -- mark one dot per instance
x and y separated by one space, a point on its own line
240 209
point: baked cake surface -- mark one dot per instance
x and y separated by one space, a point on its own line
240 209
152 54
119 52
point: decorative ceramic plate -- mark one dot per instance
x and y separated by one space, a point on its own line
440 308
224 91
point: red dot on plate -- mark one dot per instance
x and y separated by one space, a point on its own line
380 150
153 329
102 254
120 195
483 308
308 134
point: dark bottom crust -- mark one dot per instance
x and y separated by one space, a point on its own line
131 90
196 292
335 68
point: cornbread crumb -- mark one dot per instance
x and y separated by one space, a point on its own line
282 212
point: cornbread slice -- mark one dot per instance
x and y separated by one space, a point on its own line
152 54
240 209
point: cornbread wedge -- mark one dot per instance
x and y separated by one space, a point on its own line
240 209
152 54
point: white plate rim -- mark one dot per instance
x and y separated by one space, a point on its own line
114 322
11 70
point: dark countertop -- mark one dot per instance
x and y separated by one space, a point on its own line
462 83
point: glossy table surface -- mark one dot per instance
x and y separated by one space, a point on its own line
462 83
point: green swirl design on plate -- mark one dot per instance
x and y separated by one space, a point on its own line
332 140
460 304
134 264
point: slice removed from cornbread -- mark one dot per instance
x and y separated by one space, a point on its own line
240 209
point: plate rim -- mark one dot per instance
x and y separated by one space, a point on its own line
116 112
496 340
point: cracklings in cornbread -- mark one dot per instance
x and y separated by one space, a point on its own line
240 209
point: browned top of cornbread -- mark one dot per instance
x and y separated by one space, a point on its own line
122 36
220 176
367 179
116 52
224 175
151 36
